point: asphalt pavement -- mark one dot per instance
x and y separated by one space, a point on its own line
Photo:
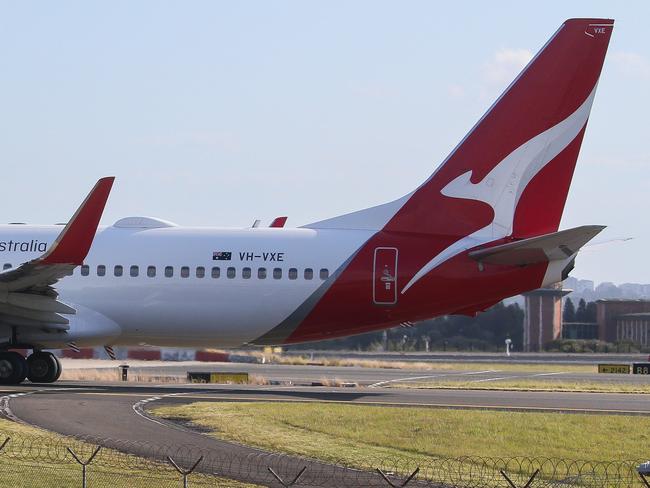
118 415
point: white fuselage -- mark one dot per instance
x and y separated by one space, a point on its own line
190 308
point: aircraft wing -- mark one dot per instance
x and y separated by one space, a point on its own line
27 294
550 247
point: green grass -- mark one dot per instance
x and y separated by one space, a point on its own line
527 385
38 458
355 433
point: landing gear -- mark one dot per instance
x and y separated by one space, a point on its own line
13 368
39 367
43 367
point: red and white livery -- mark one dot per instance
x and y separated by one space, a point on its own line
482 227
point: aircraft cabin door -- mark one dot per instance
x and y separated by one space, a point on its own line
384 276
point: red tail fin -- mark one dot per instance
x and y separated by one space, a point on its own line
511 174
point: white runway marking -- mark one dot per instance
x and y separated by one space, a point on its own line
138 408
485 380
415 378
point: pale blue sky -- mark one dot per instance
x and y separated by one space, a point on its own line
218 113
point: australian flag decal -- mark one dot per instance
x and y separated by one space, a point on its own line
221 256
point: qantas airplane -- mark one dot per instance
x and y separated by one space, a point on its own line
482 228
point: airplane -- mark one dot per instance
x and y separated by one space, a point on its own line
482 227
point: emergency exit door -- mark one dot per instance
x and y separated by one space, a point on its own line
384 276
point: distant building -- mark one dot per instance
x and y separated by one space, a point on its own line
609 289
634 327
586 290
543 316
632 290
579 286
620 319
617 319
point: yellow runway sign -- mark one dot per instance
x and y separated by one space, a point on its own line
614 368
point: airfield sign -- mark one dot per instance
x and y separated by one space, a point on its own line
614 368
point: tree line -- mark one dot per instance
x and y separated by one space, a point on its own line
586 312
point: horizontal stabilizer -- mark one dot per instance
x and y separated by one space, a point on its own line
550 247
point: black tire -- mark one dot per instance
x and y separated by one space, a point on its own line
43 367
13 368
59 369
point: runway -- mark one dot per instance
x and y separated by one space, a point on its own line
307 374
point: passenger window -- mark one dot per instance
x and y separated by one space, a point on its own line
134 271
216 272
151 271
101 270
6 266
277 273
246 273
118 270
85 270
169 271
293 273
261 273
324 274
200 272
231 273
309 273
185 272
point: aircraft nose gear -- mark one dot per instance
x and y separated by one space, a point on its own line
44 367
13 368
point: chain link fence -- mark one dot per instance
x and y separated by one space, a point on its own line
31 461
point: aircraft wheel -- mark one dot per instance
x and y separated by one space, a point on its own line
59 368
13 368
43 367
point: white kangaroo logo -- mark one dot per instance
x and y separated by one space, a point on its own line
502 187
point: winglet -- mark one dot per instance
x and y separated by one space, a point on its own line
73 243
278 222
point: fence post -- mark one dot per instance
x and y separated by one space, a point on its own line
527 485
285 483
84 464
644 479
183 472
408 480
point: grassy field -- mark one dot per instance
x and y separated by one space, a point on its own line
356 433
434 365
527 385
38 458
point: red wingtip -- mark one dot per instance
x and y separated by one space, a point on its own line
73 244
278 222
